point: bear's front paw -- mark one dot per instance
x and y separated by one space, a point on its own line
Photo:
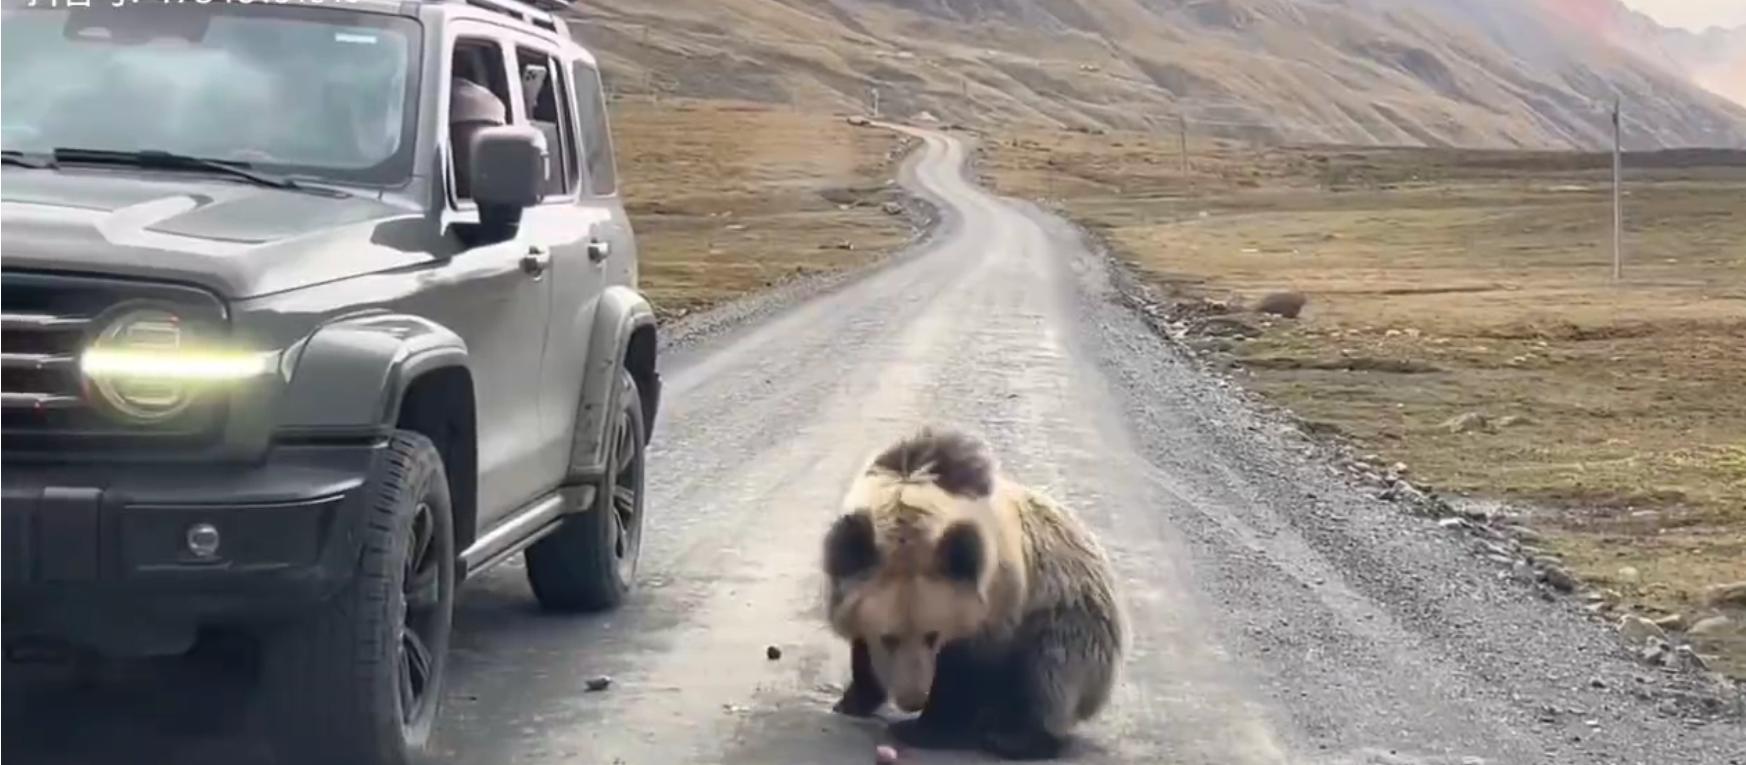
1018 744
922 734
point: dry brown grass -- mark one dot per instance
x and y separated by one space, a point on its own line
730 199
1443 283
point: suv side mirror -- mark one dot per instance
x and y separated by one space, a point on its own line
507 174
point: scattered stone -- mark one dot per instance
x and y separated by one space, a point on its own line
1655 653
1597 683
1672 622
1467 423
892 208
1227 326
1637 630
773 653
1399 468
1560 579
1212 345
885 755
1512 420
736 227
859 121
1715 625
1452 523
1476 513
1687 658
597 684
1630 575
1722 595
1405 492
1525 534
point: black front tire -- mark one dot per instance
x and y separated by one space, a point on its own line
361 681
589 563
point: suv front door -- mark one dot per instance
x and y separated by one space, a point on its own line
498 298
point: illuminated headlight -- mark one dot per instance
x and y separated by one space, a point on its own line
148 366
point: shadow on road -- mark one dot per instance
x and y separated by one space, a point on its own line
189 710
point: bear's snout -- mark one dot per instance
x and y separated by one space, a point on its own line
911 702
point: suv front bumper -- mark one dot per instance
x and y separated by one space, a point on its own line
98 554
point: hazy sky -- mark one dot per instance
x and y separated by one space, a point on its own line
1693 14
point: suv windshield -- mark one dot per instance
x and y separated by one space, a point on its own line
300 90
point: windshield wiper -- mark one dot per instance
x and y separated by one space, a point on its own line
19 158
165 160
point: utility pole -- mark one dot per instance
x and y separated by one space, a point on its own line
1618 180
1182 134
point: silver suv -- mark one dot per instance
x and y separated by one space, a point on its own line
313 310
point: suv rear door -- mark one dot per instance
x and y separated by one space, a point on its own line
607 257
564 225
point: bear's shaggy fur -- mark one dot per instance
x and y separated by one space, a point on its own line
978 601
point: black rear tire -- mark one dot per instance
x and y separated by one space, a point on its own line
589 563
361 681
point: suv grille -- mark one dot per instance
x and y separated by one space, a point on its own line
39 363
46 320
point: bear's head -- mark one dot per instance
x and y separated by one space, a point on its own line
911 560
907 593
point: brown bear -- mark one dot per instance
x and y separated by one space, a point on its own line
978 601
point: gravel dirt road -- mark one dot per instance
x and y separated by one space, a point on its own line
1280 614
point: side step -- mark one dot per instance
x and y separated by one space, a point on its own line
520 532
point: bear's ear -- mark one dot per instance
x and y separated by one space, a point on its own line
849 547
961 553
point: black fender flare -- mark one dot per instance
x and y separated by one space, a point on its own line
350 375
622 317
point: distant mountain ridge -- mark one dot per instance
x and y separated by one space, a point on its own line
1499 73
1714 58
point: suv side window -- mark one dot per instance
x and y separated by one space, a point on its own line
544 95
478 98
596 136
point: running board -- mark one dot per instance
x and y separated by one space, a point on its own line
530 525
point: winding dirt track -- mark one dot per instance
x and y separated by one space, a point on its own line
1280 615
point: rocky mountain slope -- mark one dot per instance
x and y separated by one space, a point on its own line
1437 72
1714 58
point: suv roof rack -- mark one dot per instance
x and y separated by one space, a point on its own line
540 13
554 6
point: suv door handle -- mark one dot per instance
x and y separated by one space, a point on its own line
598 250
536 260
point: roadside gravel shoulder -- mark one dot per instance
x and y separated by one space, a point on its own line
1353 601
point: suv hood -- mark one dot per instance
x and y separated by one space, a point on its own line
236 238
